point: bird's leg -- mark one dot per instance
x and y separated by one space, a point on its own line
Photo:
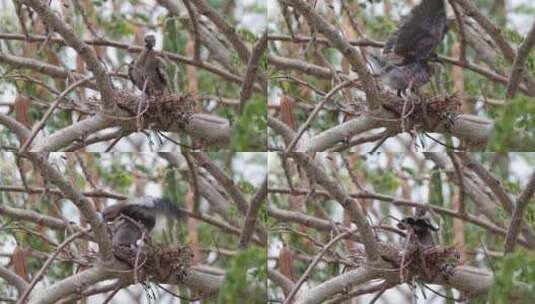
421 256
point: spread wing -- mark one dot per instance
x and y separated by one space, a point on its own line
418 34
146 209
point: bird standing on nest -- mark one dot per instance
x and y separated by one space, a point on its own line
138 214
404 63
147 71
420 227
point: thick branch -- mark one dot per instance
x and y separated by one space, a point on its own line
226 29
472 128
13 279
318 175
83 203
496 34
212 129
42 67
496 187
519 63
252 68
249 224
90 57
130 48
349 51
34 217
335 285
520 207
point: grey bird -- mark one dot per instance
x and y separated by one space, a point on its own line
404 62
147 71
401 77
146 211
421 227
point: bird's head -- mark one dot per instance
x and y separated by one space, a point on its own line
110 213
150 41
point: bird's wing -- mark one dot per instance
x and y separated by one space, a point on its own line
160 69
135 69
154 73
134 76
146 209
418 34
140 213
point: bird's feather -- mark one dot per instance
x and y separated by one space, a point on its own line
418 34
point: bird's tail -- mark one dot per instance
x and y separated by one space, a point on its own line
167 207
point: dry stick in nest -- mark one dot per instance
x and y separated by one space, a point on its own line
164 111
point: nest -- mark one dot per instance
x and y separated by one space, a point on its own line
425 109
161 262
429 262
160 112
423 262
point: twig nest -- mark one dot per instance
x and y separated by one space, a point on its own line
426 109
159 111
160 262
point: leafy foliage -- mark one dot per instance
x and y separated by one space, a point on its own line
517 115
512 269
248 286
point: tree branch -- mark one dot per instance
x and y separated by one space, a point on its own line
518 64
90 57
520 207
85 206
13 279
249 225
252 68
337 192
349 52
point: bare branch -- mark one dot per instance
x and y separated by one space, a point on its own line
252 68
518 64
520 207
226 29
315 112
336 284
315 172
496 34
50 110
229 185
89 55
13 279
313 264
278 278
47 264
349 52
249 225
42 67
84 204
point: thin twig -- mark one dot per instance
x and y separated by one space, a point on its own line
48 113
311 266
316 110
48 262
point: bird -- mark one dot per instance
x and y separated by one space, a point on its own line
401 78
421 226
145 211
404 61
147 70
